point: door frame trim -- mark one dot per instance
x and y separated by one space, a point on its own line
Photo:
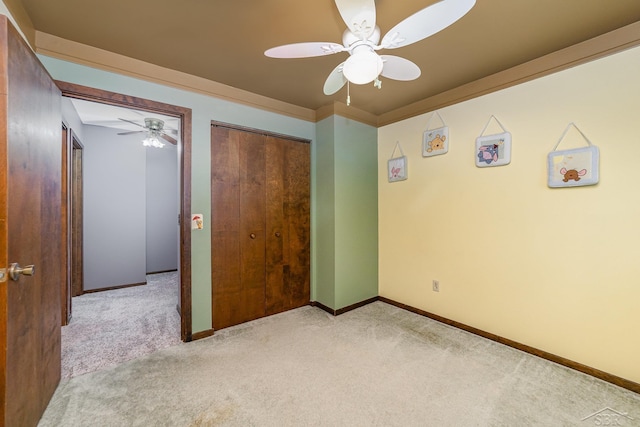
86 93
77 260
65 216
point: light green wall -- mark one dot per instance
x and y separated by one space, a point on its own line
204 110
356 207
323 260
347 195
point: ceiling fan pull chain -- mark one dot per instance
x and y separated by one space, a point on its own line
348 94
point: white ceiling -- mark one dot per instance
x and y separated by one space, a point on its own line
96 114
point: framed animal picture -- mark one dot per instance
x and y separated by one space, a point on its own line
574 167
435 141
493 150
397 166
397 169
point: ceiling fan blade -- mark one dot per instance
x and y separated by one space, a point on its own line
168 138
133 123
130 133
426 22
397 68
304 50
335 81
359 15
171 131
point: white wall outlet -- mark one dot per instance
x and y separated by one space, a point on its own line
436 286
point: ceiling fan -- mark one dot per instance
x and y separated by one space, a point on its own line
362 41
155 130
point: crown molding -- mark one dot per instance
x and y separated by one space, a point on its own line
343 110
57 47
22 21
598 47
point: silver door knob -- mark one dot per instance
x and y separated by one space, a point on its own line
15 271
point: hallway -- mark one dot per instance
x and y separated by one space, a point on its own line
111 327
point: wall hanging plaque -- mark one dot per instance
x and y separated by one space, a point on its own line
397 166
575 167
197 221
493 150
435 141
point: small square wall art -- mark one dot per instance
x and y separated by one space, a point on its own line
435 141
574 167
397 166
495 149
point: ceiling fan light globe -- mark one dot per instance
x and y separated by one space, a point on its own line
152 141
363 67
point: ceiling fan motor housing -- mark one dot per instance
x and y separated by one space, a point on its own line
154 124
348 38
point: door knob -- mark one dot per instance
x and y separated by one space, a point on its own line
15 271
252 235
277 234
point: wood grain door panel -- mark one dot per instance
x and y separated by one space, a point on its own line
225 181
252 224
288 284
277 232
225 225
30 219
298 209
237 220
259 227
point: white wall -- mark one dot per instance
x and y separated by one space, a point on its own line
161 194
71 118
162 209
114 208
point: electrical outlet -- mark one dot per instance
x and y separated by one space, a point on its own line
436 286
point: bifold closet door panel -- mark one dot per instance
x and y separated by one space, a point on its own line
237 231
298 214
277 232
288 231
225 225
252 225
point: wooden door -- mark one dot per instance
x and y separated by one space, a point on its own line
288 228
30 219
260 225
237 226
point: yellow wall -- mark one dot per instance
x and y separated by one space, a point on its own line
556 269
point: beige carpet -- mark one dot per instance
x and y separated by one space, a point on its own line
111 327
375 366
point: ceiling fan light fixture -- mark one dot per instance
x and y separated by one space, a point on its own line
152 141
363 66
362 39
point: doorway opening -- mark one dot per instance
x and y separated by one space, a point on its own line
183 116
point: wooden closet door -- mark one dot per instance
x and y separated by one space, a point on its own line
260 216
237 221
287 225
